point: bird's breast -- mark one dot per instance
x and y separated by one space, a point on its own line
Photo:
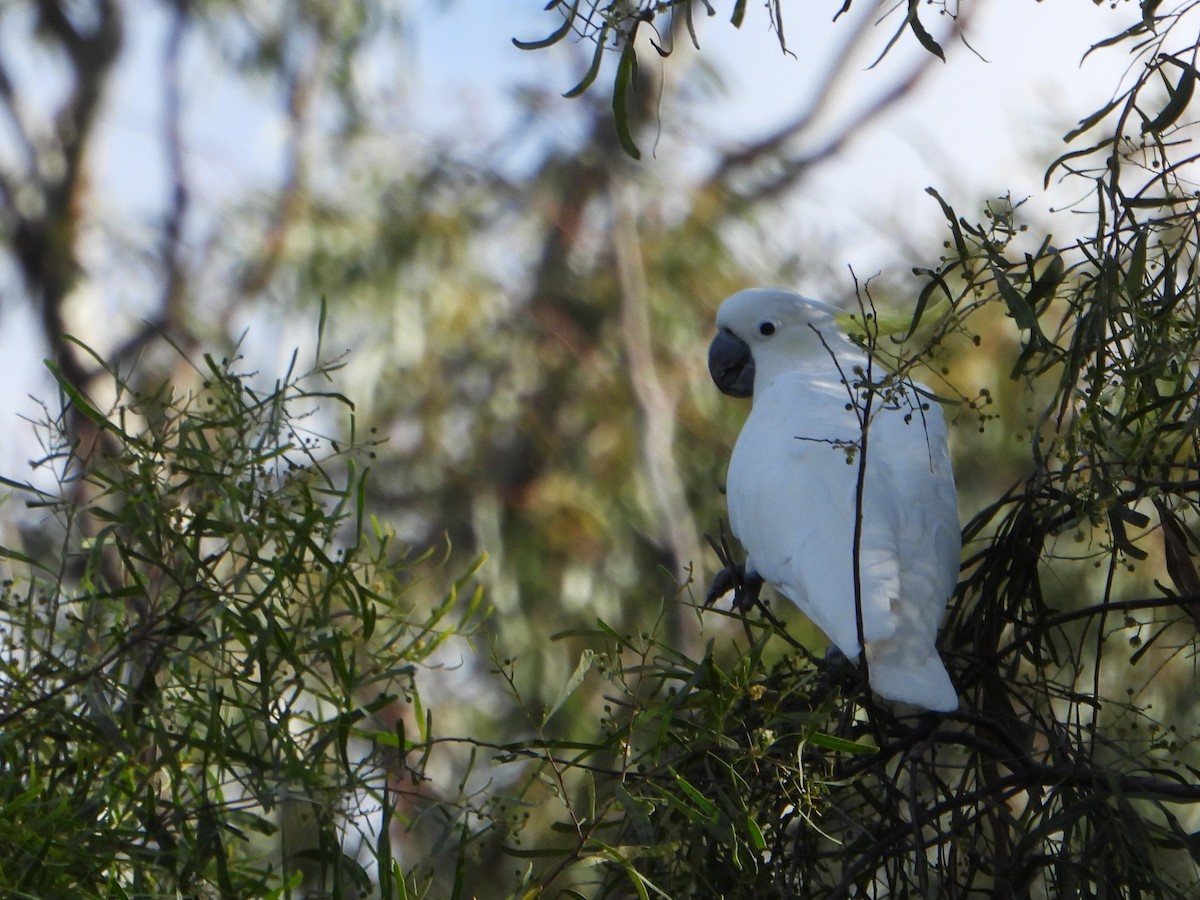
792 475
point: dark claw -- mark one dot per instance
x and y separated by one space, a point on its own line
745 594
732 577
746 588
723 582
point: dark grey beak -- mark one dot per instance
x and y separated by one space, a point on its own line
731 365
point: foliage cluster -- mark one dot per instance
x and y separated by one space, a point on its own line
188 692
613 27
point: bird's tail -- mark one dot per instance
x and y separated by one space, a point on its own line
896 675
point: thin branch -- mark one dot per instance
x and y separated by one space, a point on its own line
789 168
1099 609
173 228
19 126
290 201
822 98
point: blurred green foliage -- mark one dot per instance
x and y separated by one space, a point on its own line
197 695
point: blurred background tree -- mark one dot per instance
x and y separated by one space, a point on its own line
528 316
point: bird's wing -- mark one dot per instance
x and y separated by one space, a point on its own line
911 459
915 461
791 493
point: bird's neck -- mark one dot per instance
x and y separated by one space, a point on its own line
832 363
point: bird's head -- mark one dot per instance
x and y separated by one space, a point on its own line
762 332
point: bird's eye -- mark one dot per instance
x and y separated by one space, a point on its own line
766 329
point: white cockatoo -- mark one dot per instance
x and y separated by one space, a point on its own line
792 488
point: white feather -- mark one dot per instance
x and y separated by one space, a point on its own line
791 492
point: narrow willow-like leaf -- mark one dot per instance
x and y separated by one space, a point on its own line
756 836
594 69
17 556
1046 284
960 242
586 659
841 745
936 281
322 317
1018 307
1091 121
81 402
1136 272
702 803
1116 522
924 38
555 36
635 814
1178 98
626 78
1074 154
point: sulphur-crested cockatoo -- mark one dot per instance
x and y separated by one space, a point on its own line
792 488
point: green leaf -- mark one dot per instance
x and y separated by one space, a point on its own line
1091 121
841 745
1155 201
1046 284
586 658
81 402
626 78
924 38
635 813
26 488
960 242
1137 265
756 835
936 281
702 803
1018 306
639 881
691 25
1178 98
1132 516
594 68
6 553
1136 656
1074 154
1131 31
1117 517
321 320
555 36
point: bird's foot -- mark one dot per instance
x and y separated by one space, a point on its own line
732 577
746 587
